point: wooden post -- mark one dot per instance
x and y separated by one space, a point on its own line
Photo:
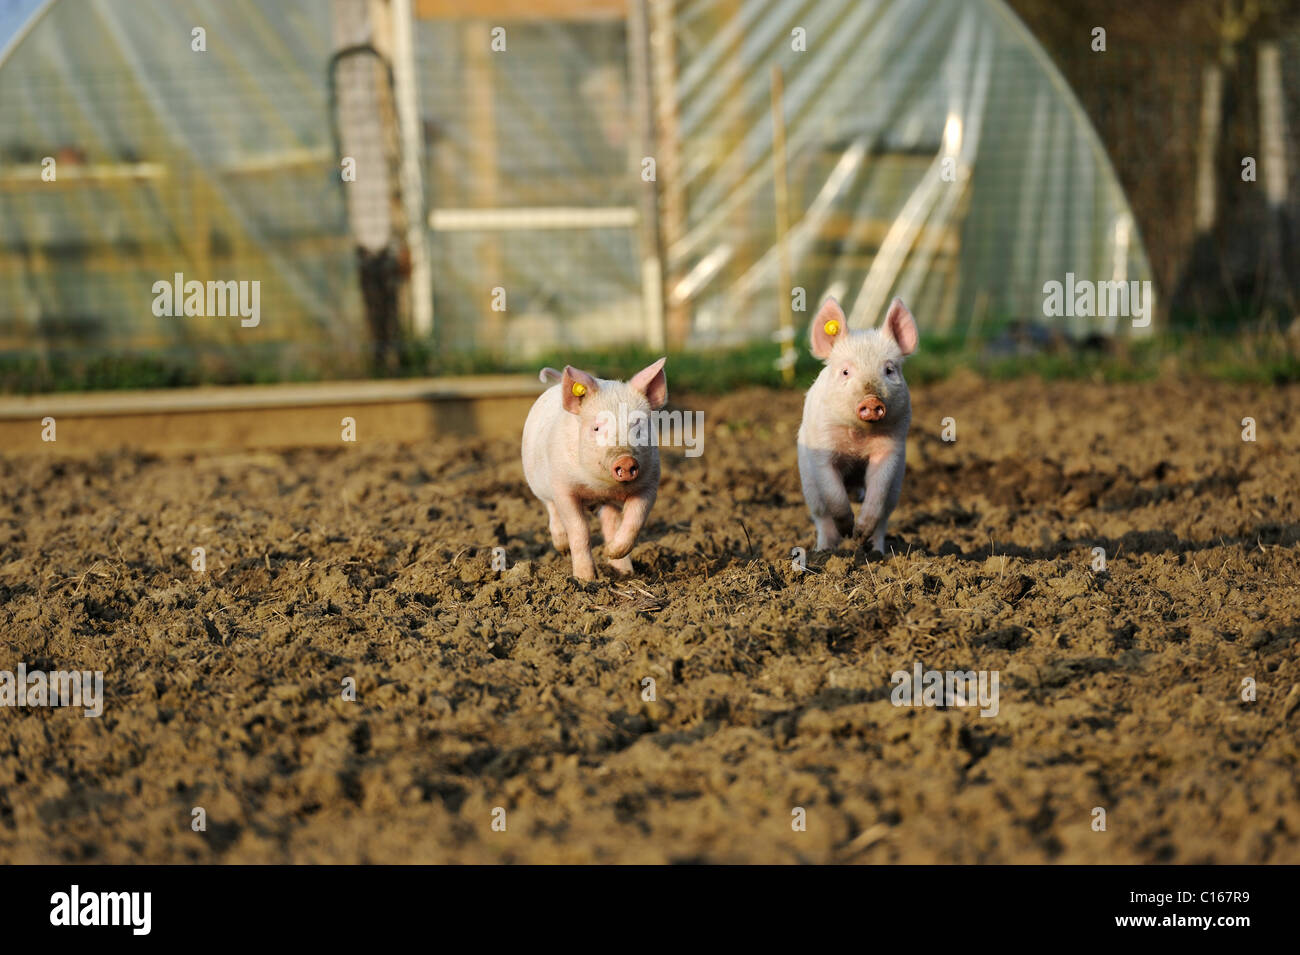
1275 174
412 172
740 227
367 132
1272 125
668 143
485 169
652 277
1211 121
781 194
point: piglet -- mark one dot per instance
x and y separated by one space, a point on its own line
588 444
854 433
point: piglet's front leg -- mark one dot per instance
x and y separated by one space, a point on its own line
610 515
635 511
884 484
828 501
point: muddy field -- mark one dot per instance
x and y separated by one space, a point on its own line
478 689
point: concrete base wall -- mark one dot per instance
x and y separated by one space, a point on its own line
268 416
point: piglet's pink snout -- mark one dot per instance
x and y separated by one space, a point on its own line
871 408
625 469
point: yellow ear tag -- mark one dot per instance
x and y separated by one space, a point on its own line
579 389
832 328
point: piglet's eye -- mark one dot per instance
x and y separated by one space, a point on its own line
844 372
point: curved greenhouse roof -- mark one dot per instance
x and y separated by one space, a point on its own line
933 152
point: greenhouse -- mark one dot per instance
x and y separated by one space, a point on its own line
514 178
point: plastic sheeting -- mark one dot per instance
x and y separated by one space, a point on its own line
933 153
217 165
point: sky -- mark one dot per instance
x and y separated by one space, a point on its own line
13 14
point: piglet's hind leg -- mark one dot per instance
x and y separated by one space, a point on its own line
559 536
574 518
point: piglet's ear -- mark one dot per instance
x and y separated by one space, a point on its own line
653 383
827 327
576 385
901 327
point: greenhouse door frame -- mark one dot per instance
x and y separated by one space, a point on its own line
642 218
